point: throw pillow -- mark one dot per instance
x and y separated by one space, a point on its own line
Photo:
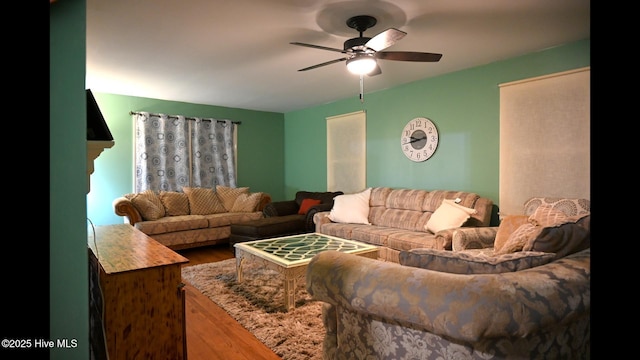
545 215
306 204
563 239
175 203
228 195
246 202
516 241
148 204
544 231
473 263
507 226
153 197
351 208
448 215
203 201
146 208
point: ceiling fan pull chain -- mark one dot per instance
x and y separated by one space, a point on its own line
361 89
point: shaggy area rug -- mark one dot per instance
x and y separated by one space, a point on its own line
258 305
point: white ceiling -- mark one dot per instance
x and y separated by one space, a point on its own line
237 53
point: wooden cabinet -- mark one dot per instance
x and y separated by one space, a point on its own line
139 303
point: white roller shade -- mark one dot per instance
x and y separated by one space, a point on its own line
545 138
347 152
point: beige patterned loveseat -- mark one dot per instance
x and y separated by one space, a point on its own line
520 303
192 217
400 219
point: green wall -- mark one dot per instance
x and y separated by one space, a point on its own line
464 106
68 262
260 149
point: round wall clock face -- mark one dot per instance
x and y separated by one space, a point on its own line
419 139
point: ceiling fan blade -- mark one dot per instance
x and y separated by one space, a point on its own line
385 39
323 64
317 47
408 56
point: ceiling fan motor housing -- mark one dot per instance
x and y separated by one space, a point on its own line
356 43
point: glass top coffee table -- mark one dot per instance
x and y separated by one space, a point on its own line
290 255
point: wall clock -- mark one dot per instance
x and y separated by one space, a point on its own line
419 139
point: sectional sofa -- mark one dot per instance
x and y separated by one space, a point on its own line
520 290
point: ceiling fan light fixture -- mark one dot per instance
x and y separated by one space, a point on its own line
361 64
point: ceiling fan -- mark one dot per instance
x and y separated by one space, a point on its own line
362 52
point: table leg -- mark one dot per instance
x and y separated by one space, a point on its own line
239 264
289 290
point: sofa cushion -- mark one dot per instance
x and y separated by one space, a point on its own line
410 220
203 201
351 208
225 219
306 204
508 226
246 202
269 227
148 204
175 203
402 209
448 215
473 263
406 199
379 196
407 240
228 195
170 224
434 199
374 235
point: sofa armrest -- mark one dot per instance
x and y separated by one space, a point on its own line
124 207
310 224
474 238
280 208
444 238
321 218
483 206
458 306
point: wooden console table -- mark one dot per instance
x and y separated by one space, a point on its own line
140 301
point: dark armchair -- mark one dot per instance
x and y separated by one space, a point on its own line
293 207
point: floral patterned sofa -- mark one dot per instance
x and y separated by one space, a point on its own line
530 300
192 217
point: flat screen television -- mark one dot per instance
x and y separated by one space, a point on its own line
97 129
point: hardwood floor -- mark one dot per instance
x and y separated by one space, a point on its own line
211 333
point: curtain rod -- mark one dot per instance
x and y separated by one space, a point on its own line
186 118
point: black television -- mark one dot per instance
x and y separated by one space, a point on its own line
97 129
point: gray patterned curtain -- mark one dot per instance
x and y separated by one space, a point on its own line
213 153
167 158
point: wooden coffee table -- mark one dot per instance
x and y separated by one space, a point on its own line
290 255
